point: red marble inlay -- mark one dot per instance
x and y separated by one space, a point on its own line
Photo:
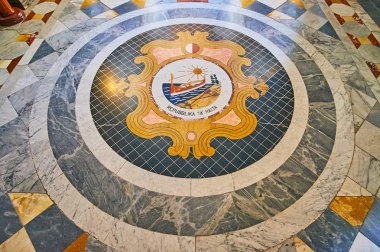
373 40
13 64
29 17
373 68
47 16
357 19
340 19
31 38
354 40
345 2
329 2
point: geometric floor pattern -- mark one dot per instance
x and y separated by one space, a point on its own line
344 32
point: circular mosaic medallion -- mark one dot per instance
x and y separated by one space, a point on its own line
203 101
191 89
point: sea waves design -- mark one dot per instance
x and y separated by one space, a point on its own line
180 98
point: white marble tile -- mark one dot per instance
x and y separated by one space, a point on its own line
363 244
13 50
114 3
368 139
7 113
57 28
30 52
107 14
274 4
44 7
26 78
74 18
3 75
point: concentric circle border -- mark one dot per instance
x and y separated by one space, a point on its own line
118 234
192 186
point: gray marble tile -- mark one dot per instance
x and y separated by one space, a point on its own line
42 66
329 233
13 136
374 116
74 18
15 167
322 116
9 221
93 245
361 103
86 26
357 81
30 185
2 188
22 101
52 231
7 112
311 153
365 170
61 41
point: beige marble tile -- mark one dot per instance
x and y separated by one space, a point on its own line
351 188
361 103
365 170
368 139
44 7
19 242
312 20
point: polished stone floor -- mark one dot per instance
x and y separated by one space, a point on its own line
214 125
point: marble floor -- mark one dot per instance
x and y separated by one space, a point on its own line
174 125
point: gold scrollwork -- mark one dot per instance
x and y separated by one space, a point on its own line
233 122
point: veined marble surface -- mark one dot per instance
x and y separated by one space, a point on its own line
107 203
56 174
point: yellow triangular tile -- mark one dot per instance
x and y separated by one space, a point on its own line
29 205
87 3
139 3
301 246
352 209
22 37
246 3
19 242
298 2
79 245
